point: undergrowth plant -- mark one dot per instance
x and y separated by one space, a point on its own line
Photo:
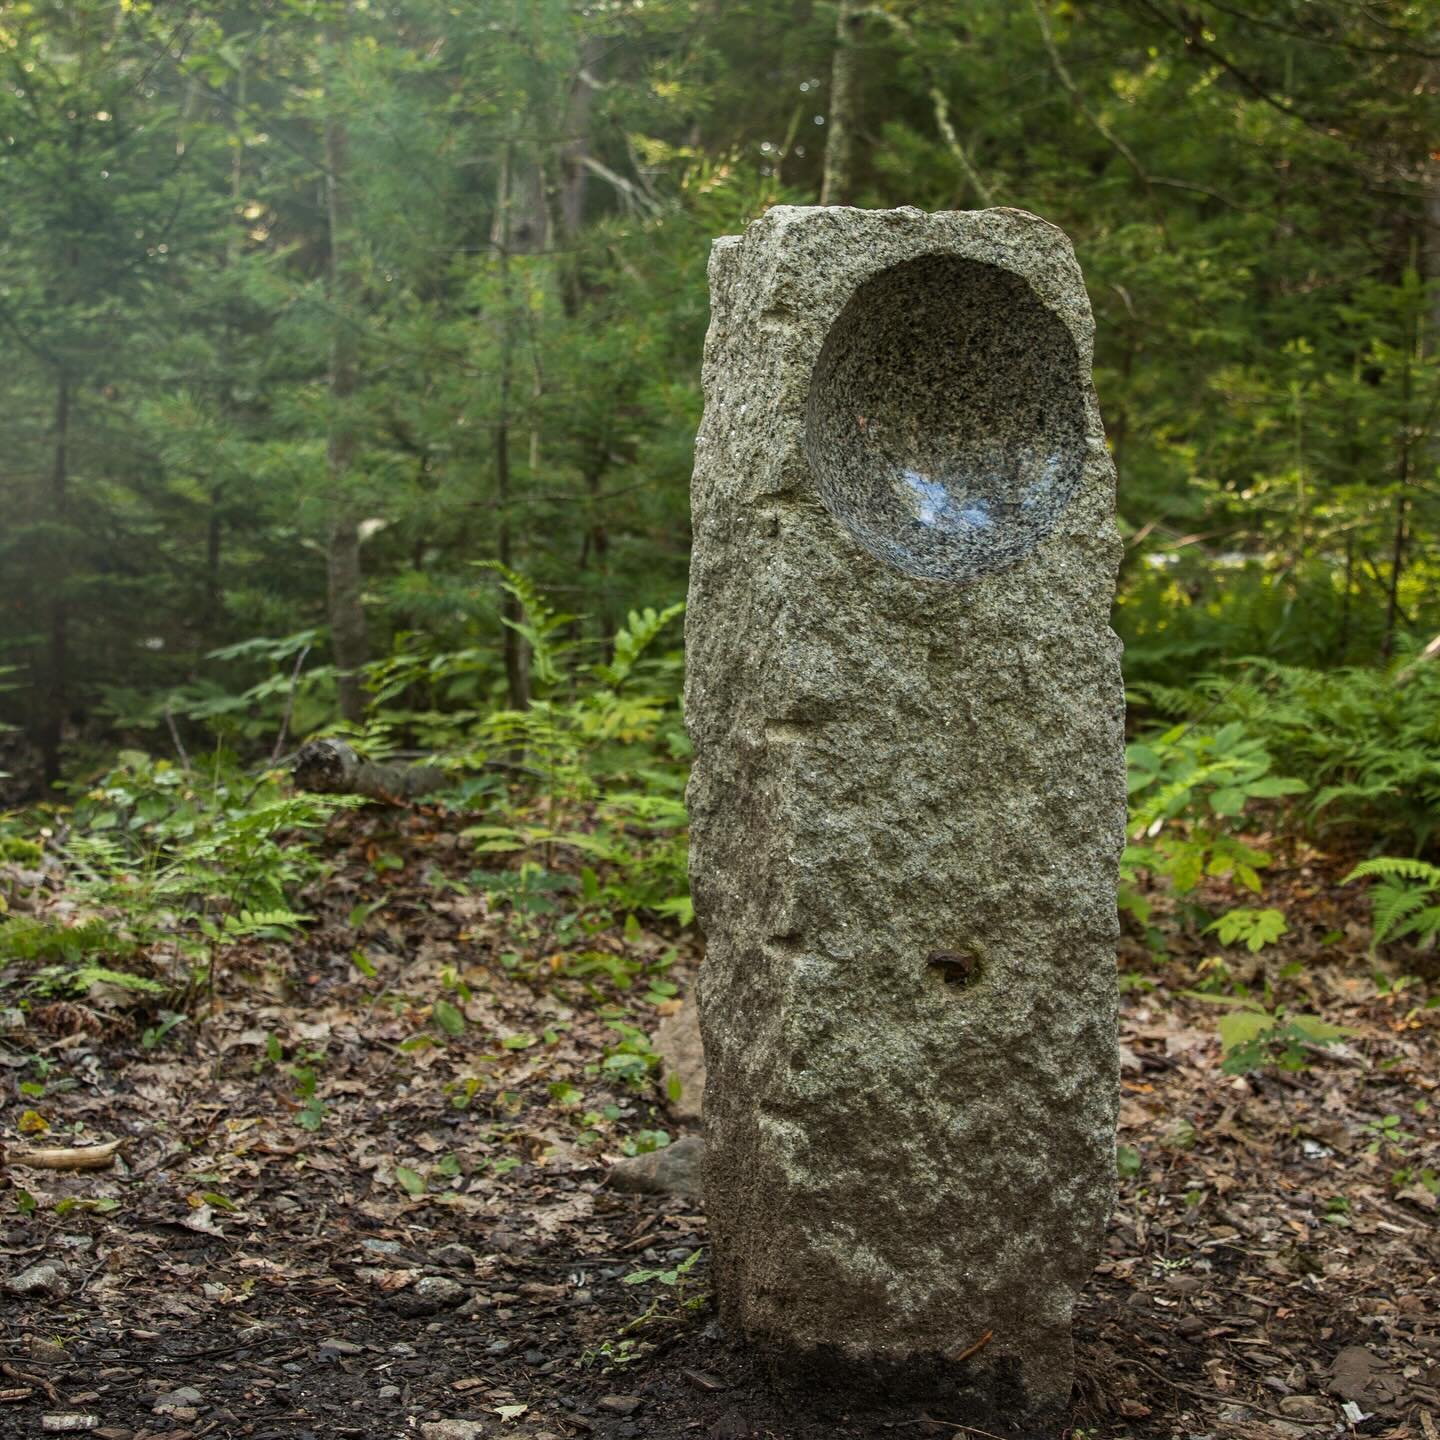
156 852
1189 793
1255 1035
1405 905
604 749
1366 739
153 840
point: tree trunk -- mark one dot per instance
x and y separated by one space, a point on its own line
517 667
1430 261
838 186
1400 536
214 536
51 729
576 147
214 617
348 638
573 174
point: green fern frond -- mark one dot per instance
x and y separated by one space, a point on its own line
1401 904
1391 908
1397 867
633 639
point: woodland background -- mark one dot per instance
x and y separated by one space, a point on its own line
307 306
350 378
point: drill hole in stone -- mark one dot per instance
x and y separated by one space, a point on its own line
955 969
945 424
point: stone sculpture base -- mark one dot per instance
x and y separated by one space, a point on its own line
908 799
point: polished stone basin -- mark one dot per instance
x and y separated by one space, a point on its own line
945 424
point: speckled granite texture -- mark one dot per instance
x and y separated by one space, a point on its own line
946 419
907 802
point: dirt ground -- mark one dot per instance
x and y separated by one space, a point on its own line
342 1209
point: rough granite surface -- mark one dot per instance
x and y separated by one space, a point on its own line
907 802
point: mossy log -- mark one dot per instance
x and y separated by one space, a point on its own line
331 767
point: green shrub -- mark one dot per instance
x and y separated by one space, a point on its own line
1366 740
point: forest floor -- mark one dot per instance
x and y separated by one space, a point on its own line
319 1228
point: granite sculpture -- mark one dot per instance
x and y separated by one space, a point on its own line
907 802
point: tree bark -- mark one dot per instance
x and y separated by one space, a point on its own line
51 728
331 767
1400 535
576 146
838 185
1430 248
344 585
214 537
517 668
214 616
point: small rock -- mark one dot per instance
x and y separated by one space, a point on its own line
333 1348
1190 1326
440 1289
704 1380
677 1039
46 1350
461 1257
732 1425
382 1247
388 1392
50 1278
1350 1373
427 1295
619 1404
185 1397
675 1170
453 1430
60 1424
1306 1407
401 1348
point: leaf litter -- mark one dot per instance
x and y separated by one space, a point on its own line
365 1196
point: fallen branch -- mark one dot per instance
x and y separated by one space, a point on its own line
331 767
80 1157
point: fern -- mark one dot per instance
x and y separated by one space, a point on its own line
632 640
1368 744
1407 901
1396 867
541 626
61 980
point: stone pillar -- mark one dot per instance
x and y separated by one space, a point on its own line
908 798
